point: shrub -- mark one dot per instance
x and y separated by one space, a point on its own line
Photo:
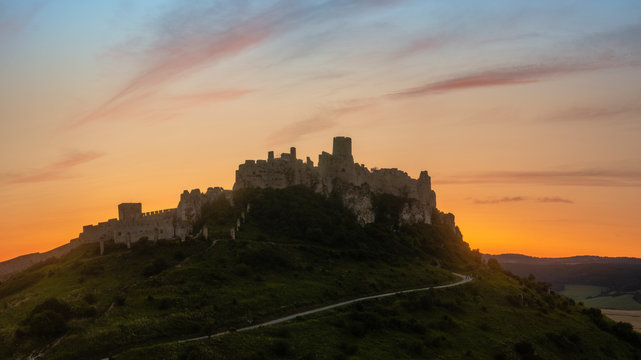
524 348
90 298
54 305
156 267
348 349
119 300
281 348
46 324
493 264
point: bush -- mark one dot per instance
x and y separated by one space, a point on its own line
54 305
348 349
46 324
90 298
281 348
524 348
493 264
156 267
119 300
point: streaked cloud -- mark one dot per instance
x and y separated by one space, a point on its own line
15 17
209 97
585 177
513 199
54 171
514 75
325 119
422 44
555 199
594 113
197 35
499 200
612 49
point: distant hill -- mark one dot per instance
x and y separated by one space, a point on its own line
604 282
20 263
615 273
573 260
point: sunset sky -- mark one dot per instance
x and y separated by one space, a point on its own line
527 115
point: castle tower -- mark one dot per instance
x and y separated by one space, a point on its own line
342 147
129 211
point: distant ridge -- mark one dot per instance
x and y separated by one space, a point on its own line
22 262
572 260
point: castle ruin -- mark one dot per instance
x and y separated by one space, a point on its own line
336 173
132 224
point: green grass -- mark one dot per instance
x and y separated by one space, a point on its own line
476 320
621 302
592 296
288 258
582 292
218 288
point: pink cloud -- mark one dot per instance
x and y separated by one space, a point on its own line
195 36
584 177
325 119
512 199
500 77
210 97
54 171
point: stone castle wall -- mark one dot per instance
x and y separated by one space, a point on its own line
338 171
132 224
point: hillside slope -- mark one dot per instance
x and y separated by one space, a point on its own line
297 250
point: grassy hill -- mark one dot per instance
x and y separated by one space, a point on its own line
296 251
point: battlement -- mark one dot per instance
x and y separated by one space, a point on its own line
159 212
333 169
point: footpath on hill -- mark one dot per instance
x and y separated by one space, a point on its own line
464 279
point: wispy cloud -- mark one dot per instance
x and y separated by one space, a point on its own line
513 199
585 177
15 17
209 97
197 35
499 200
54 171
422 44
594 113
325 119
555 199
499 77
617 48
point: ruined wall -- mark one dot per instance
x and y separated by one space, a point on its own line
132 224
276 173
337 172
153 225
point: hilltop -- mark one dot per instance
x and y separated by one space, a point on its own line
260 253
357 187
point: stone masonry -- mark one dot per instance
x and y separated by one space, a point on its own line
337 172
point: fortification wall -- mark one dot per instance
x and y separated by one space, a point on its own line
276 173
339 171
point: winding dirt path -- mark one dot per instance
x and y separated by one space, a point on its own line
464 279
